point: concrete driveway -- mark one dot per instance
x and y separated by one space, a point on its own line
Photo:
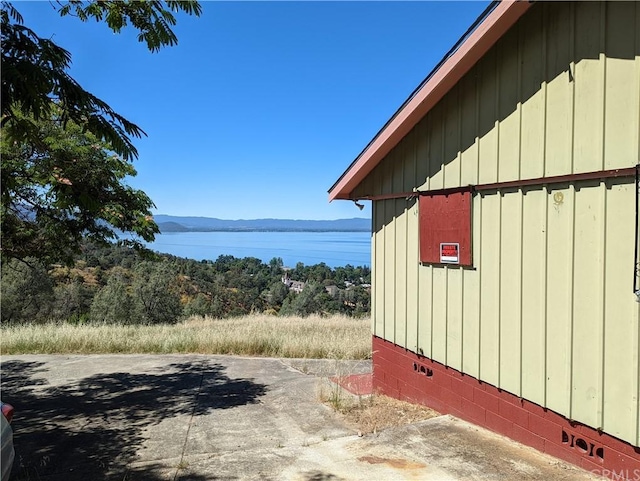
193 417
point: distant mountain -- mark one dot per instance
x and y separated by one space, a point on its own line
172 227
169 223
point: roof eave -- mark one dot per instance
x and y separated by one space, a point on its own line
478 43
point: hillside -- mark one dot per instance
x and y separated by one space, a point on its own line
168 223
117 284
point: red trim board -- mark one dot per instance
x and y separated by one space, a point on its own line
403 374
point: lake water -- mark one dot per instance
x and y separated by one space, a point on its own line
333 248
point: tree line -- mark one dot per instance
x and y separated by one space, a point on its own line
118 284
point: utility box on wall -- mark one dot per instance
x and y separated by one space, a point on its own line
445 228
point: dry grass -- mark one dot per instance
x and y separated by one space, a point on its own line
368 413
380 412
314 337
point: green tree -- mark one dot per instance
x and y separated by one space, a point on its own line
72 301
319 273
114 303
27 291
202 305
313 299
64 185
39 96
275 265
357 301
155 297
276 294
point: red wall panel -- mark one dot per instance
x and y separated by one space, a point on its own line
445 220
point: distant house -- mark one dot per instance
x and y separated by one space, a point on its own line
332 290
505 232
295 286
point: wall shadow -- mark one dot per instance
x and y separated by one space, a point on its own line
91 429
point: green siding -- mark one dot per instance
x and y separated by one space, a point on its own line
547 312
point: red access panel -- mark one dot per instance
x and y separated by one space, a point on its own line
445 228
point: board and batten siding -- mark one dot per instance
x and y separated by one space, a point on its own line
547 313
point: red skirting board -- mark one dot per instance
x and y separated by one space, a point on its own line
405 375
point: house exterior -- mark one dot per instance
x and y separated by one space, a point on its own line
505 232
295 286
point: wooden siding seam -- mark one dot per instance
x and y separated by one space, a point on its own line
543 89
390 272
572 302
418 276
603 332
406 278
519 96
384 272
572 71
522 35
603 61
416 280
417 301
403 321
477 125
637 140
637 71
394 283
571 320
603 74
545 316
499 290
496 108
637 193
443 149
637 320
521 360
406 273
568 333
479 267
391 275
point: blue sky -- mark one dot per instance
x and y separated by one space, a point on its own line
262 105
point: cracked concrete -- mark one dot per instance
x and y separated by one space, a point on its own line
195 417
